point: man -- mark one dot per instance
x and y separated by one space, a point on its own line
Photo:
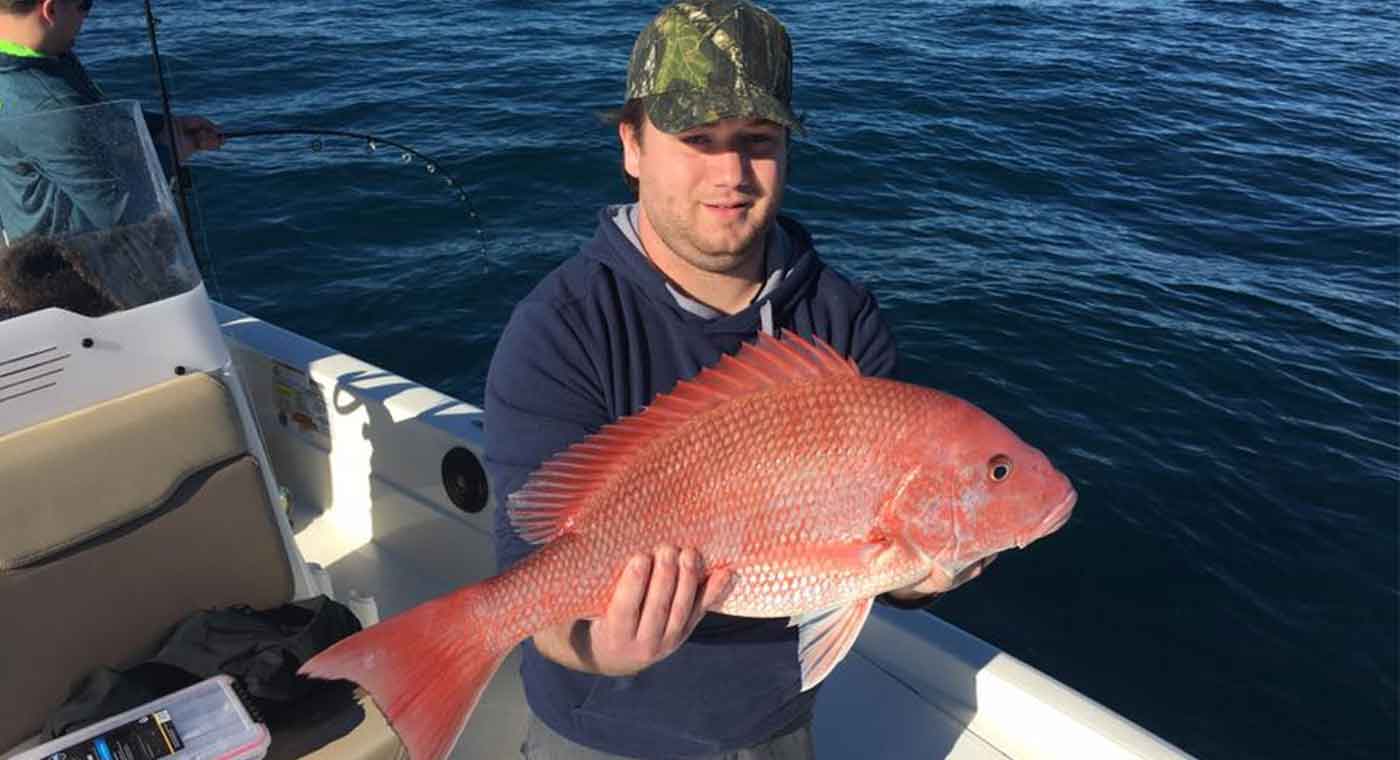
49 182
697 266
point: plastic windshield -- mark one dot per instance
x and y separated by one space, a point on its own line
89 223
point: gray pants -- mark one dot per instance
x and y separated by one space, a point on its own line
541 743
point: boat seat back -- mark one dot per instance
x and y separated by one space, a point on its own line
119 520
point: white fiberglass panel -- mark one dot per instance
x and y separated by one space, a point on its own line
1002 702
53 362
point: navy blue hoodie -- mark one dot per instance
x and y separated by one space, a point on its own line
596 340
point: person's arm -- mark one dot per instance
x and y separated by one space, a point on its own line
192 135
541 397
872 343
63 157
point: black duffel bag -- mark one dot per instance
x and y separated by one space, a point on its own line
261 649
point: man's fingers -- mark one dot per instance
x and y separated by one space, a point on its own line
976 569
202 133
207 138
688 582
969 573
715 588
625 607
661 589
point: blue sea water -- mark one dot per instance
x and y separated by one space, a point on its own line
1161 240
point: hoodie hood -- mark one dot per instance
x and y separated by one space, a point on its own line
12 61
9 62
39 83
792 268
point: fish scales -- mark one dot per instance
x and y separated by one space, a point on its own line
754 485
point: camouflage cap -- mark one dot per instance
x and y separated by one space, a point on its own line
700 61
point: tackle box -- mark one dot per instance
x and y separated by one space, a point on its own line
206 721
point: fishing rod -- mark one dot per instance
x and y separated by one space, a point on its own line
182 175
373 142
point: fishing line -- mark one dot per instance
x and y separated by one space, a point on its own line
373 142
184 181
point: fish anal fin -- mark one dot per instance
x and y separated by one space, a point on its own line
557 495
826 636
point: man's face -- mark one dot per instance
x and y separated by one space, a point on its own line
710 192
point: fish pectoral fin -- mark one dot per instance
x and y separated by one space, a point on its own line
825 636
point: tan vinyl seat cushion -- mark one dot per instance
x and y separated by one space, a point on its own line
72 478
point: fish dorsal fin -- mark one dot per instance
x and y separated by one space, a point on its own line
825 637
550 502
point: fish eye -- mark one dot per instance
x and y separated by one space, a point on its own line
999 468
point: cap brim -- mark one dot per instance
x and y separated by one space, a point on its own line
680 110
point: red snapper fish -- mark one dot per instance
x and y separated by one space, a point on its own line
818 488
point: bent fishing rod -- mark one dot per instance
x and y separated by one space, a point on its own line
432 165
184 181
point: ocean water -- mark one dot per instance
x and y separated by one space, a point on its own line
1160 240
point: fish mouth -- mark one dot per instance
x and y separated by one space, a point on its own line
1053 521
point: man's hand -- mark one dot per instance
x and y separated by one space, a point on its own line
196 133
657 603
939 582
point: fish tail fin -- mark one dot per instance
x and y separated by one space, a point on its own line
425 668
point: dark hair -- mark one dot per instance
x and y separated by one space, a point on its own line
37 272
25 7
633 113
